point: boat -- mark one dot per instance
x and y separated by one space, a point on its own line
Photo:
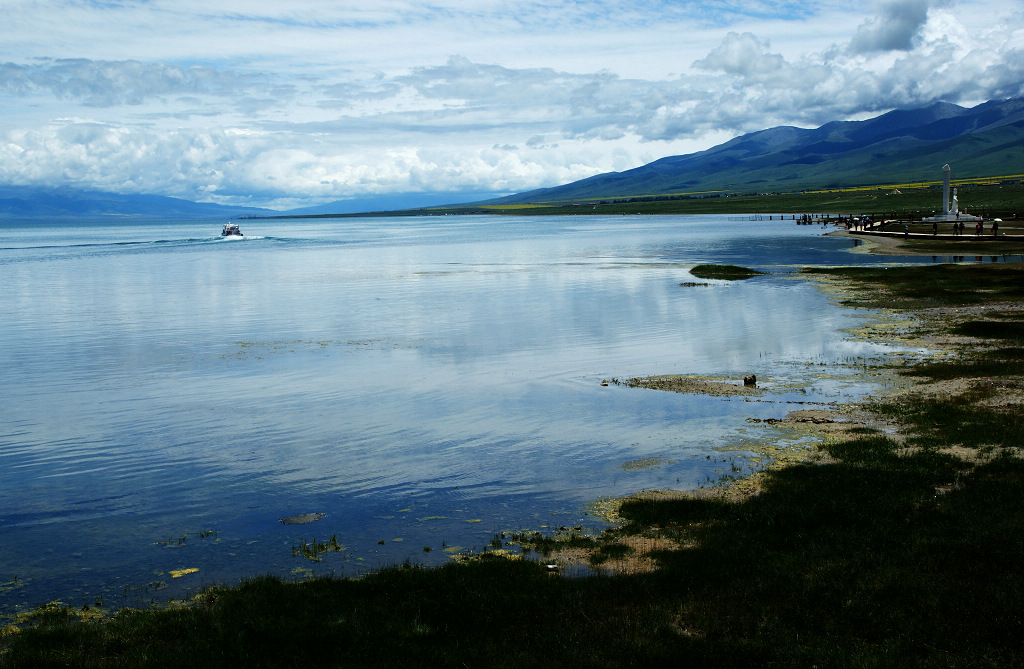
231 230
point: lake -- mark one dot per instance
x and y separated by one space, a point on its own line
168 396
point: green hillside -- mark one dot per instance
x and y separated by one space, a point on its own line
899 147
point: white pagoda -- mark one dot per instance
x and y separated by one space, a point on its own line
950 206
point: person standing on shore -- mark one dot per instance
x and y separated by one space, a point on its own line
995 228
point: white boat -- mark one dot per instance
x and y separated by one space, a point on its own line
231 230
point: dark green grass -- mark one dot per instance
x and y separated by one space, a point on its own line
932 285
877 571
1012 331
893 555
477 614
965 419
987 364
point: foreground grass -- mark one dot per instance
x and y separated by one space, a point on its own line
894 553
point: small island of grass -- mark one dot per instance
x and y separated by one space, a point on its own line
724 272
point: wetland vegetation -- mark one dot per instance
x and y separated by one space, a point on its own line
902 544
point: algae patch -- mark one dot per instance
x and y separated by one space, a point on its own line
645 464
178 573
695 385
303 518
313 550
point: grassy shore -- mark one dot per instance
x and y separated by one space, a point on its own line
988 200
901 544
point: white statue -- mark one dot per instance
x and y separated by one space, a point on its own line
950 205
945 189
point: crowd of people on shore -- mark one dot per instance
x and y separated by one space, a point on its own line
979 228
865 225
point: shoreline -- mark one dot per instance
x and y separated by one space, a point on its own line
839 423
842 423
896 244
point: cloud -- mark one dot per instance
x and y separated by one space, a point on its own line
107 84
325 102
898 25
238 167
744 55
747 82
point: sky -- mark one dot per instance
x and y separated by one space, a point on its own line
299 103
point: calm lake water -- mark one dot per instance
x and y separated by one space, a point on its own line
168 396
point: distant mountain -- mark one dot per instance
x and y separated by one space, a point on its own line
391 202
900 146
27 202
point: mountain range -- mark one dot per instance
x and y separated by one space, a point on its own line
897 147
29 202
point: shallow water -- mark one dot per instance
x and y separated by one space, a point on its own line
169 395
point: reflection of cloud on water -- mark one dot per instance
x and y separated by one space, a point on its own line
373 382
248 350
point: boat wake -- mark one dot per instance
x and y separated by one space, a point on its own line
239 238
